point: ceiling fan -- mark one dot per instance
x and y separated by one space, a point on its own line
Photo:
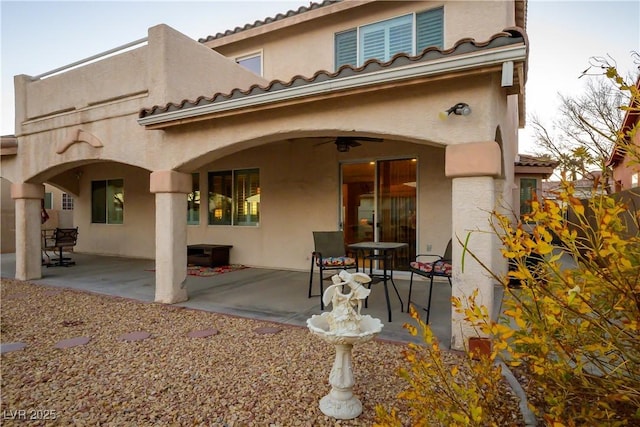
344 143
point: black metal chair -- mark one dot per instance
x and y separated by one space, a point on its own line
439 266
330 254
60 239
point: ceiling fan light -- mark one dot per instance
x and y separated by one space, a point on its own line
343 147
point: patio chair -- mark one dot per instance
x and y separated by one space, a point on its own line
330 254
438 266
61 238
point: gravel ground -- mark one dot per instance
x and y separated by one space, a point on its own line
236 378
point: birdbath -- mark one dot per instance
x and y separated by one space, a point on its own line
343 327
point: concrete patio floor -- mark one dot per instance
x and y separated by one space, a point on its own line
265 294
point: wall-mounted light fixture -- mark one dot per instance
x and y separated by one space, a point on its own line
460 109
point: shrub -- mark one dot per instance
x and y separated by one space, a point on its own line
575 329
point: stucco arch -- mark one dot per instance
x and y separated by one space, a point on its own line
312 137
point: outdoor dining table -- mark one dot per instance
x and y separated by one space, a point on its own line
384 251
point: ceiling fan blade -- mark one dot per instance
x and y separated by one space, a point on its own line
367 138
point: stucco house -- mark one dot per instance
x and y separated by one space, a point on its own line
626 173
393 121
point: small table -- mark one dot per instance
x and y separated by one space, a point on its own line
381 251
208 255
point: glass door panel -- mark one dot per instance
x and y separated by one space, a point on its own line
396 209
379 204
358 202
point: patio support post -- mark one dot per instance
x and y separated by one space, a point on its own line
171 189
473 167
28 198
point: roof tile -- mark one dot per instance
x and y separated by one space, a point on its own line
463 46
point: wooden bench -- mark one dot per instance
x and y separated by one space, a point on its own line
56 240
208 255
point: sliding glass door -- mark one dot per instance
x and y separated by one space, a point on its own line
379 204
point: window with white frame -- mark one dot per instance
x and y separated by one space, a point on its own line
251 62
634 179
67 202
409 34
234 197
107 201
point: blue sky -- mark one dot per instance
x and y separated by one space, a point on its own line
39 36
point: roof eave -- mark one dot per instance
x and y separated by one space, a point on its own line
475 60
281 21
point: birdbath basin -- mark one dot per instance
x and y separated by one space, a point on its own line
343 327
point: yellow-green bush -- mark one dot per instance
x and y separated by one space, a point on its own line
575 330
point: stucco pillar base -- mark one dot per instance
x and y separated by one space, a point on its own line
171 190
28 235
473 201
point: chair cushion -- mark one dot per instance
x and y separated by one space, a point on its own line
339 261
441 268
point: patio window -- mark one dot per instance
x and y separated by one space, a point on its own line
409 34
107 201
234 197
193 201
48 200
527 194
251 62
67 202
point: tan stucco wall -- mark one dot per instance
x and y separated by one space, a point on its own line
104 105
299 183
463 19
8 218
134 238
299 187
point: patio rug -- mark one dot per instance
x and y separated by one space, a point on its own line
195 270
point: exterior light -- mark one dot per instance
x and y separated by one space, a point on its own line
460 109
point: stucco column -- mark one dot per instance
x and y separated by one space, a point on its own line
28 199
171 190
473 167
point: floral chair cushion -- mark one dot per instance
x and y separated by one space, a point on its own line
340 261
439 268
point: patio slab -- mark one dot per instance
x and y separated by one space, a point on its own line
278 296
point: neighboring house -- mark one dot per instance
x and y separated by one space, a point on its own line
327 117
583 188
531 175
626 173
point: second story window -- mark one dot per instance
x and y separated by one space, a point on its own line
409 34
251 62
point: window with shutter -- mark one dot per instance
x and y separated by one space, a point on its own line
346 48
382 40
430 29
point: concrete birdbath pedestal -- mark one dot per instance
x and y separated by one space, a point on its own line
343 327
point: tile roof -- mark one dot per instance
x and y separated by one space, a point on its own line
527 160
520 7
510 36
278 17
